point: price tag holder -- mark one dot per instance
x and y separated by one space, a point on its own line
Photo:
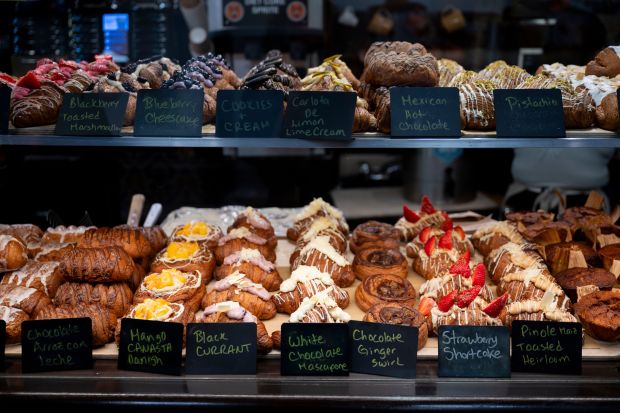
383 349
315 349
59 344
168 112
5 102
221 348
151 346
92 114
529 113
546 347
425 111
473 351
319 115
249 113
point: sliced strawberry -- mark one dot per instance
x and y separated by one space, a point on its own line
459 230
479 275
496 306
427 207
29 80
445 241
430 245
410 215
466 297
8 78
425 234
461 266
447 224
68 63
446 302
425 306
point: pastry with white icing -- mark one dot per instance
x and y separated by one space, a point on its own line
239 288
44 276
315 209
240 238
254 265
321 254
186 257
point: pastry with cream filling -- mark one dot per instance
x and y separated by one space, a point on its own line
173 286
198 231
186 257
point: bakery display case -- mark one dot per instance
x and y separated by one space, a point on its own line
365 292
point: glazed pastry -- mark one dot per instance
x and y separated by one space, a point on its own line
600 315
371 261
103 321
319 253
115 297
503 75
13 253
565 255
605 63
13 318
610 255
254 221
198 231
52 252
240 238
43 276
173 286
315 209
233 312
118 82
511 257
110 264
320 308
336 65
272 73
477 107
463 77
27 233
64 235
436 256
573 278
322 226
384 288
237 287
154 235
304 282
447 70
447 237
254 265
29 300
491 237
530 217
186 257
129 239
399 64
534 310
399 314
373 234
412 223
534 284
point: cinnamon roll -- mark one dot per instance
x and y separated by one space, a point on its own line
374 234
371 261
399 314
186 257
239 288
254 265
384 288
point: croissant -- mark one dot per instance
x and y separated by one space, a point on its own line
399 314
43 276
64 235
115 297
52 252
110 264
605 63
40 107
129 239
29 300
432 260
336 239
237 287
28 233
240 238
198 231
510 258
491 237
382 288
414 222
173 286
304 282
319 253
503 75
13 253
186 257
251 263
439 287
315 209
103 321
533 283
373 234
276 337
455 238
154 235
255 222
477 106
533 310
118 82
319 308
371 261
13 318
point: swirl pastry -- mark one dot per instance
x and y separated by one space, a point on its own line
198 231
492 236
115 297
13 253
399 314
304 282
186 257
322 226
129 239
237 287
64 235
384 288
240 238
371 261
534 310
315 209
103 321
29 300
320 308
43 276
110 264
320 253
255 222
13 318
373 234
173 286
254 265
599 313
399 64
412 223
233 312
272 73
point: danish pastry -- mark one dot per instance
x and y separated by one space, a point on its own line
186 257
371 261
534 310
173 286
254 265
491 237
384 288
198 231
412 223
237 287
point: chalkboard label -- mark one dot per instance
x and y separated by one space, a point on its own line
5 100
167 112
93 114
221 348
315 349
2 343
59 344
151 346
546 347
249 113
472 351
425 111
319 115
383 349
529 113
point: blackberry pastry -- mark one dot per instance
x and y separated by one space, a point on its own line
239 288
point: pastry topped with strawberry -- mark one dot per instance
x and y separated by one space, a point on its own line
448 237
412 223
435 257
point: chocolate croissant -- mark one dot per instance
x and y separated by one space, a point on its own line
272 73
115 297
111 264
129 239
103 321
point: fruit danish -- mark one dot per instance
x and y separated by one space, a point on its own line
198 231
462 280
43 276
103 321
254 221
384 288
399 314
572 279
237 287
373 234
116 297
610 255
436 256
173 286
233 312
13 318
320 308
29 300
111 264
130 240
448 238
186 257
272 73
371 261
240 238
412 223
254 265
534 310
315 209
599 313
304 282
322 226
320 253
13 253
492 236
64 235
